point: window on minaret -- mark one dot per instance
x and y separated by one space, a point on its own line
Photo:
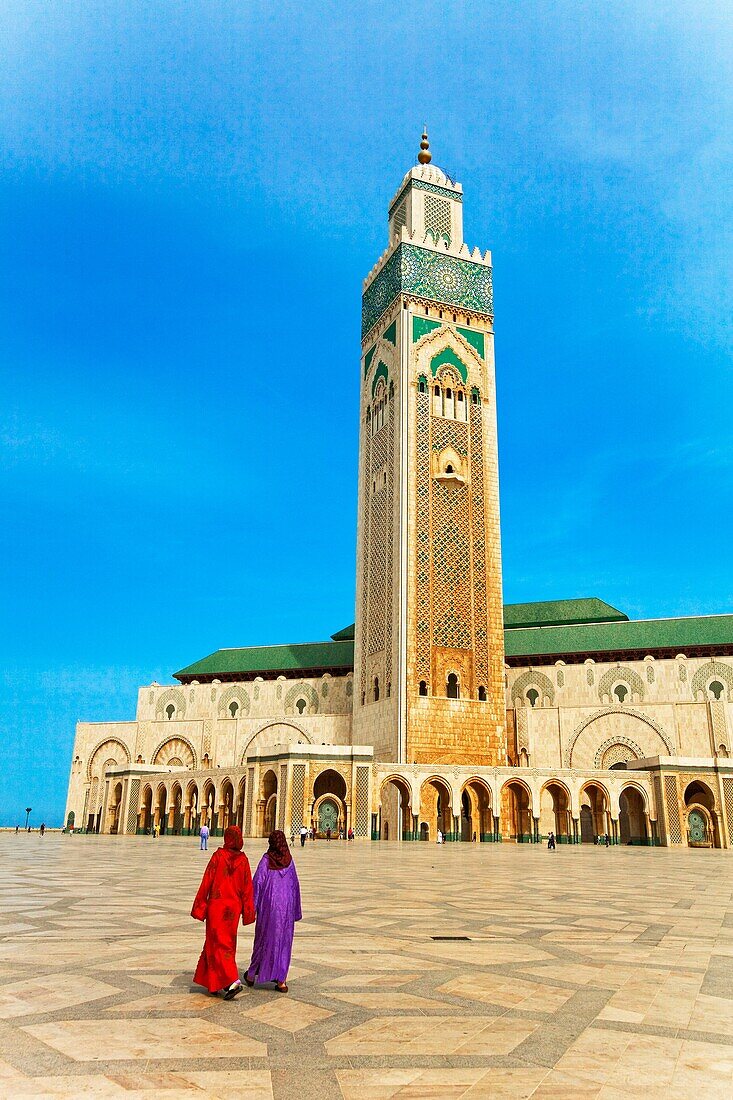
233 708
482 695
437 402
170 710
300 706
452 688
422 385
620 691
423 688
376 689
716 689
533 695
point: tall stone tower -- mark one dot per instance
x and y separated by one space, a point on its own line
429 645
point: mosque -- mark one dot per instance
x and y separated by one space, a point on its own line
441 708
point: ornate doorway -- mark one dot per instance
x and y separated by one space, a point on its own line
698 835
328 817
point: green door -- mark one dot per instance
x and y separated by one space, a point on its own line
697 829
328 817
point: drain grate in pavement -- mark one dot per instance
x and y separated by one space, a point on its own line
466 939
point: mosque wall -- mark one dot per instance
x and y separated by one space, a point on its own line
207 726
599 714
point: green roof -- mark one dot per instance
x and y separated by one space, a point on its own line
589 609
556 612
642 636
345 635
308 657
531 630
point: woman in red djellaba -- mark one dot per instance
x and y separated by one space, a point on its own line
225 895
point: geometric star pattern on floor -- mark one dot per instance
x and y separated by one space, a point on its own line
588 973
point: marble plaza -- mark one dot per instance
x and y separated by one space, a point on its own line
467 970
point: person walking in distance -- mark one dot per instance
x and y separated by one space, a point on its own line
551 842
303 835
225 895
204 834
277 901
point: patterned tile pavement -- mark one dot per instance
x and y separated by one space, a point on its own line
587 972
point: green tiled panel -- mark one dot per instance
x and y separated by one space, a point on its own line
420 185
477 340
390 334
380 372
434 276
447 355
368 359
421 326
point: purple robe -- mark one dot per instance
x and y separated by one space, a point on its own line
277 901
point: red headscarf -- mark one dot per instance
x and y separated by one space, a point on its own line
233 839
278 853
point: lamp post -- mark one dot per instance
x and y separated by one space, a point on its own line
27 815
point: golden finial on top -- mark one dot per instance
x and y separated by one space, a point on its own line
425 156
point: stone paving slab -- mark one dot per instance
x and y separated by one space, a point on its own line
586 972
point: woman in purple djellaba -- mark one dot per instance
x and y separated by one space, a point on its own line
277 901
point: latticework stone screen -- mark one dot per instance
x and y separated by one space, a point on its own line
673 812
132 806
297 793
361 802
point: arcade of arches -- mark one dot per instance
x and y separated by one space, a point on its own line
328 788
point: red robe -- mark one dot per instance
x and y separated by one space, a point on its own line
225 895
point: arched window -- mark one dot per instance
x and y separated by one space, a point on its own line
422 385
620 691
533 696
423 688
716 689
233 708
170 710
449 393
459 395
389 688
376 689
363 698
449 469
452 689
482 694
300 706
475 396
436 391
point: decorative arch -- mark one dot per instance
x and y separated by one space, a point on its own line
557 783
444 345
301 691
261 739
621 674
651 722
175 749
639 790
235 694
712 670
172 695
382 371
101 754
448 356
543 684
623 743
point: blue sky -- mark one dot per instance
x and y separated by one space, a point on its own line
191 194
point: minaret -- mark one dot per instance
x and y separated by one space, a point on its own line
429 646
